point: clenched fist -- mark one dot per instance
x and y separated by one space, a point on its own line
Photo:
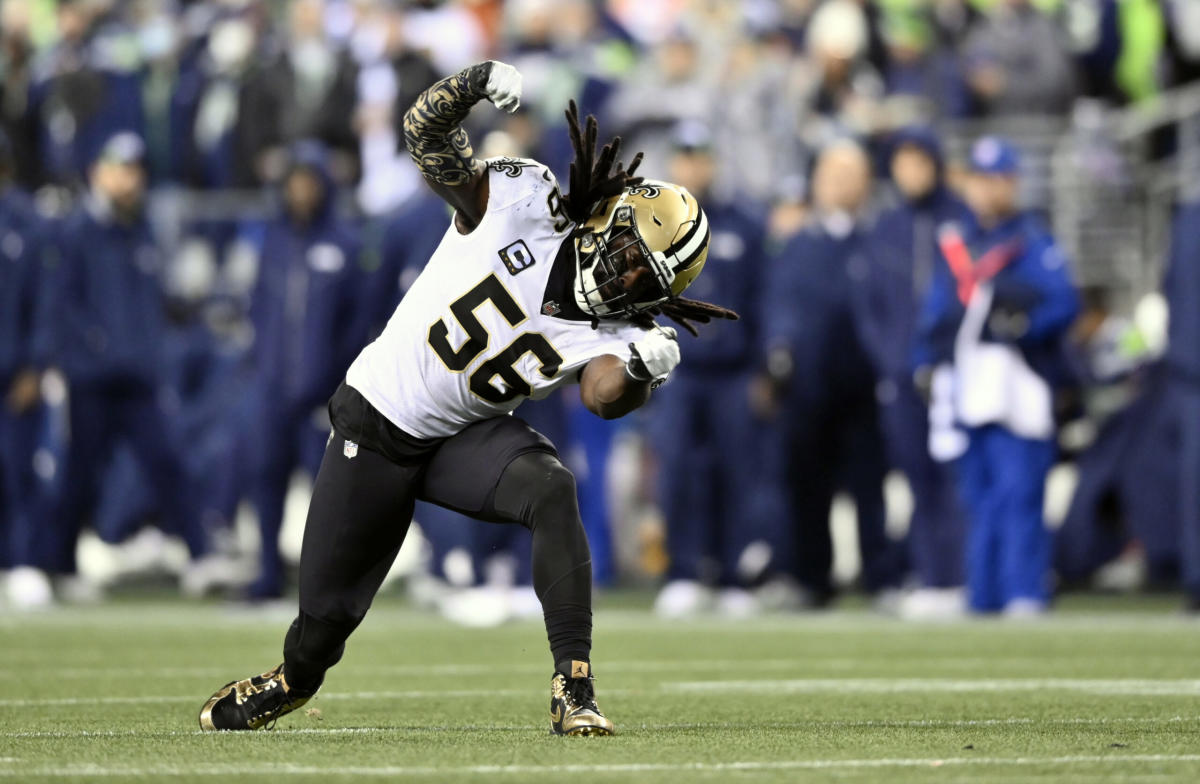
654 356
503 86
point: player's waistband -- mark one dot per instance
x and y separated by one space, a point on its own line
355 419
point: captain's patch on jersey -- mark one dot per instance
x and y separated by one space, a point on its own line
517 257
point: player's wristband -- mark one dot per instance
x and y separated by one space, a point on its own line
635 369
477 78
637 373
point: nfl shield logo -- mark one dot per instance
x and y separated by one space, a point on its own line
350 449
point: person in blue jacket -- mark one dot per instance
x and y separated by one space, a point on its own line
104 326
1182 370
1129 489
704 435
86 88
308 327
904 259
999 321
399 244
824 378
22 246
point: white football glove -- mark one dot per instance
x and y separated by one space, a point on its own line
504 86
654 356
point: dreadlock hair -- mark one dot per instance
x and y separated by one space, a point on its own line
684 311
592 181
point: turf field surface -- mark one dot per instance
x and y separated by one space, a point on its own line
1102 691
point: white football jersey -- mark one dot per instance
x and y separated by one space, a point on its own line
475 335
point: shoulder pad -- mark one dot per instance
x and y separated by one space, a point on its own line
517 179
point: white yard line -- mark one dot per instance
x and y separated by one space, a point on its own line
425 670
719 725
62 734
388 618
352 695
799 664
1096 686
1124 687
630 767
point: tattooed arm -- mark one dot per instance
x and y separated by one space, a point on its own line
438 144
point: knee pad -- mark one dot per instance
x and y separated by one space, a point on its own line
552 490
534 485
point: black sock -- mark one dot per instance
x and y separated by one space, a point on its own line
310 648
568 620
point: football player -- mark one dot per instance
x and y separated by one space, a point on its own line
529 289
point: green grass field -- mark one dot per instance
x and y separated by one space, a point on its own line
1103 691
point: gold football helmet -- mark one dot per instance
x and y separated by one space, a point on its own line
661 220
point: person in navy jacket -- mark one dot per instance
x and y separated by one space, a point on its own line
84 91
1182 381
398 247
999 321
104 327
816 359
22 252
706 438
308 327
904 259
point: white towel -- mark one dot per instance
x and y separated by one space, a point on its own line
994 383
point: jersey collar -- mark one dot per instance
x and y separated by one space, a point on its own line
558 301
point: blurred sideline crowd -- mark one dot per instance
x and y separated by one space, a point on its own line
206 211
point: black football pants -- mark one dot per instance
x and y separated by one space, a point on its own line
362 506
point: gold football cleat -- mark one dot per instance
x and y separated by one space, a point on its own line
573 708
251 704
